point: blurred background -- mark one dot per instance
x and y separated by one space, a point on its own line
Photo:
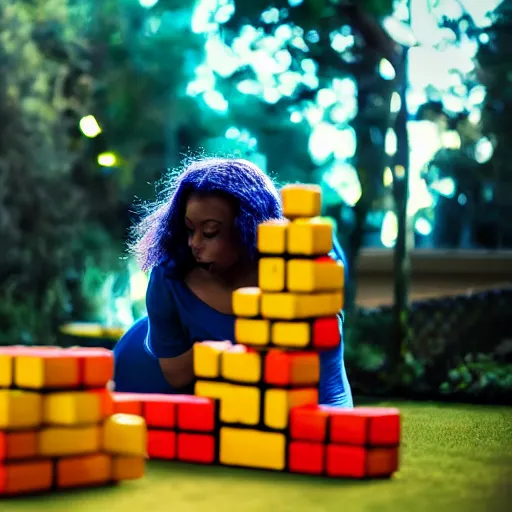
398 109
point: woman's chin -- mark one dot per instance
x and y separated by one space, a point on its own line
205 266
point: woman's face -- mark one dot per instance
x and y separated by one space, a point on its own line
211 232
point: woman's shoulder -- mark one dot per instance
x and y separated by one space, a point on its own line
163 280
166 270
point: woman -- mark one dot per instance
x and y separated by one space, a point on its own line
200 245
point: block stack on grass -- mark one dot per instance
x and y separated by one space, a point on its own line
267 384
57 427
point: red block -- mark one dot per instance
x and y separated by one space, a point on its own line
196 413
128 403
304 457
325 259
160 411
3 445
196 448
359 462
309 423
326 333
369 426
161 444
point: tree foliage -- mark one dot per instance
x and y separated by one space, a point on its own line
49 221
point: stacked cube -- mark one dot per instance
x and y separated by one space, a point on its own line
57 427
180 427
267 384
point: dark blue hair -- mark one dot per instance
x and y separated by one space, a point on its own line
161 234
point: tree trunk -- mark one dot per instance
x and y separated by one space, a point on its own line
402 254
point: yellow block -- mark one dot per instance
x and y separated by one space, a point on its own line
271 274
72 408
6 376
238 404
206 360
278 403
240 365
271 236
48 371
292 306
246 302
86 470
252 332
252 448
291 334
127 468
301 200
125 434
314 276
215 390
309 237
62 441
20 409
241 404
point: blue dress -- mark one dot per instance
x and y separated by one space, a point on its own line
176 319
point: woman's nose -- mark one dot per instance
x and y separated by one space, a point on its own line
194 243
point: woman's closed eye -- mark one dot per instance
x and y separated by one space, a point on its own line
206 234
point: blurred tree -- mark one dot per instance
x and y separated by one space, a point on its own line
142 58
494 70
304 76
51 228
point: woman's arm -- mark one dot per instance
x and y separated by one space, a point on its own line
179 370
334 385
166 339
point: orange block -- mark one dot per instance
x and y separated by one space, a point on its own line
127 468
96 366
291 368
84 470
18 445
106 402
26 477
359 462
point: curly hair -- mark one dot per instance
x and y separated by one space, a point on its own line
161 234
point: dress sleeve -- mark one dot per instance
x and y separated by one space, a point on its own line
334 385
165 337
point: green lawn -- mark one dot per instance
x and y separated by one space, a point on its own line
454 458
